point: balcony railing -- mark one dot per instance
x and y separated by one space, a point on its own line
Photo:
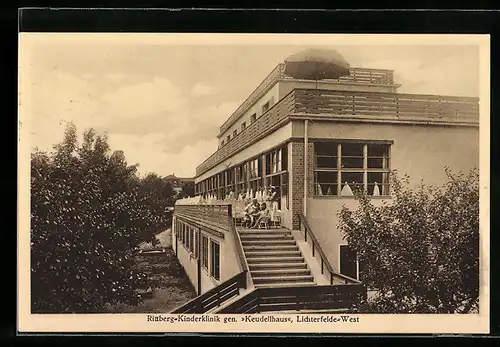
331 104
218 215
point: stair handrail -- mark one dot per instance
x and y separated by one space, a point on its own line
196 302
239 249
324 259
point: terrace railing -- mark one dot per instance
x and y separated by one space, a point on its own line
331 104
345 297
318 251
216 215
216 296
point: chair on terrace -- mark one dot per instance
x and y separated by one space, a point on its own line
275 221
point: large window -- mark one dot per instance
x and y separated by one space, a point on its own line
255 170
215 260
276 161
277 173
341 168
204 252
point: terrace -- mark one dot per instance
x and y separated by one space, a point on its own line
319 104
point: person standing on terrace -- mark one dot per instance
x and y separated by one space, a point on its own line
273 201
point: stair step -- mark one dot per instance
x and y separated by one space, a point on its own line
279 272
269 243
271 248
265 232
252 261
273 254
281 285
266 238
274 266
283 279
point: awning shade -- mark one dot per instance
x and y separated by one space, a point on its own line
316 64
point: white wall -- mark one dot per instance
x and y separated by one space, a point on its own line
419 151
256 108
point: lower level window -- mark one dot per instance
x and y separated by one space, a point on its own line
204 252
215 260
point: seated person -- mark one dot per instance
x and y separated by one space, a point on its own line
250 210
259 215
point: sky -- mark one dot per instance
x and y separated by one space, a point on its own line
162 101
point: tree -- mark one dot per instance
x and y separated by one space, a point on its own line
420 252
188 189
87 215
158 194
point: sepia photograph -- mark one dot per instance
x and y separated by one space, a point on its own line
280 178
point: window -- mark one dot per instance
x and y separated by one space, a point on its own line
215 260
235 132
265 107
243 126
276 173
268 105
255 172
228 138
253 118
340 168
222 143
275 162
348 262
204 252
184 234
195 242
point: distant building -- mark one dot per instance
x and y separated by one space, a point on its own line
177 183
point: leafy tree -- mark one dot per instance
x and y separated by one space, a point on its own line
87 214
419 252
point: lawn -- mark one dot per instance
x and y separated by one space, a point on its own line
171 286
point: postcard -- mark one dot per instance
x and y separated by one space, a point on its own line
242 183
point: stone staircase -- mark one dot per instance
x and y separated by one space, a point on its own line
274 258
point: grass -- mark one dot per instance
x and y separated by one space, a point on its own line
171 286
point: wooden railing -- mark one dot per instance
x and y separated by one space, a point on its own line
216 296
348 297
372 76
386 105
331 104
214 214
317 250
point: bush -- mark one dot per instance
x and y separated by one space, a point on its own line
420 252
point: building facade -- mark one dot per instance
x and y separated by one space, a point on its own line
317 141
